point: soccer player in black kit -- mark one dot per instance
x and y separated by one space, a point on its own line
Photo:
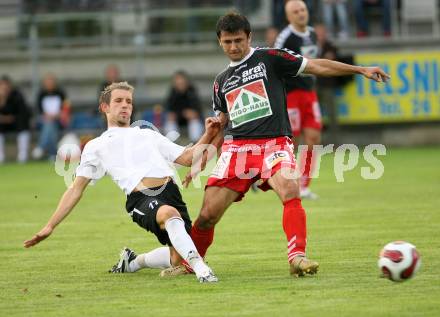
250 101
302 100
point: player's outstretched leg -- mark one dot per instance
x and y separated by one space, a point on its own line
294 224
129 263
215 202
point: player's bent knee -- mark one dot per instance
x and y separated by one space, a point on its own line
207 218
164 213
288 191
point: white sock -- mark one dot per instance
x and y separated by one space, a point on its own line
155 259
2 148
23 141
195 130
183 244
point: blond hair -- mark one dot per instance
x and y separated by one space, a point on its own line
106 94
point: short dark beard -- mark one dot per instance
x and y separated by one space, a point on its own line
122 124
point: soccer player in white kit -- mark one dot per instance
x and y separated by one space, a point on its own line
138 161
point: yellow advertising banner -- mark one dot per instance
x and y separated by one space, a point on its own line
412 93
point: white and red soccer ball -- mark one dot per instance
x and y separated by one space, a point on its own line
399 261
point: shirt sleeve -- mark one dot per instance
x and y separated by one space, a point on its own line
169 150
217 104
90 166
287 63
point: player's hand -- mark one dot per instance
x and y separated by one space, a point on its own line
375 73
40 236
188 178
212 126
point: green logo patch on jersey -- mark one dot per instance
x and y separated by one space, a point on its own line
248 103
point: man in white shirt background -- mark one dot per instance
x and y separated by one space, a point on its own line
138 161
54 107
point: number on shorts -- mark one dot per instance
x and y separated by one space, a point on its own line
153 204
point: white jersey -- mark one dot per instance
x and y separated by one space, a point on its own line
128 155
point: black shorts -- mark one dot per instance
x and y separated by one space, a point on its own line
143 209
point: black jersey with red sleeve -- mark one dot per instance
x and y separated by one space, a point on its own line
304 43
252 93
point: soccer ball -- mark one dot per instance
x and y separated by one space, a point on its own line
399 261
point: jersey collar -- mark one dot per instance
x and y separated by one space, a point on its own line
298 33
113 129
233 64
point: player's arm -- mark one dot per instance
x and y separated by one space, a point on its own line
326 67
212 128
66 204
217 141
206 156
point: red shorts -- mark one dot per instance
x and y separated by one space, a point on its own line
303 109
243 162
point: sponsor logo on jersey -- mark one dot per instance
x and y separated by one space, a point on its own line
284 53
231 82
248 103
276 157
254 73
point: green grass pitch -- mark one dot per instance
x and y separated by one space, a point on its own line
66 275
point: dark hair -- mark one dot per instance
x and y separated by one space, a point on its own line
233 22
183 74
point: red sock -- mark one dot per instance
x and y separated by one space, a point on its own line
306 161
294 225
202 238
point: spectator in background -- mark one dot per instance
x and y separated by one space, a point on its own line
329 7
279 20
183 107
54 111
326 49
270 36
14 117
361 7
112 75
278 16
